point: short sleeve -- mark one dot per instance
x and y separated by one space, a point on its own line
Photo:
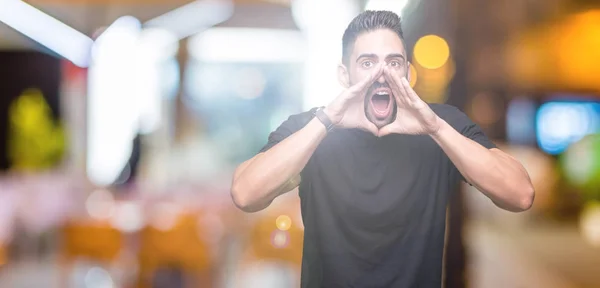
287 128
463 124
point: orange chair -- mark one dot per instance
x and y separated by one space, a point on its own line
178 246
92 240
3 256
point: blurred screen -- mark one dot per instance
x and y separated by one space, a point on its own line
241 103
559 123
520 121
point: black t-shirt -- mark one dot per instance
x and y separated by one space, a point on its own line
374 209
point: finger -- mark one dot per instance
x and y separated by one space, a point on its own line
412 95
396 86
386 130
371 128
367 82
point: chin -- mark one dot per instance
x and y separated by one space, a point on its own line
380 123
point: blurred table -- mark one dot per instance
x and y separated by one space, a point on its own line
541 255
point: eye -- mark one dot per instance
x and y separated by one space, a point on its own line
395 63
367 64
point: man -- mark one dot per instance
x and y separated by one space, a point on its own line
374 188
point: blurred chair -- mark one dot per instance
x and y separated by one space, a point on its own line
3 256
177 248
92 240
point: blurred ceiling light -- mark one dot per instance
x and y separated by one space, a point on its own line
123 32
247 45
193 17
113 117
155 46
396 6
46 30
323 23
431 51
158 43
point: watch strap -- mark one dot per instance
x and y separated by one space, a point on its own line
320 114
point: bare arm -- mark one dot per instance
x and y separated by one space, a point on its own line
498 175
258 181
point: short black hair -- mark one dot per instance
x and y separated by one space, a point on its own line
369 21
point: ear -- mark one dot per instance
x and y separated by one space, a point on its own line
408 73
343 76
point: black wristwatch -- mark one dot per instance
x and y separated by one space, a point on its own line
324 119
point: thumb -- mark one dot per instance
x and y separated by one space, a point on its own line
371 127
386 130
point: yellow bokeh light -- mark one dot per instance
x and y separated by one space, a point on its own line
283 222
589 223
431 51
413 76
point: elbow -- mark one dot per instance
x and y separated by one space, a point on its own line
241 199
526 197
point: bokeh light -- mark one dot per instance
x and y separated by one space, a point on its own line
590 223
581 165
560 124
413 75
98 278
283 222
431 51
128 217
280 239
100 205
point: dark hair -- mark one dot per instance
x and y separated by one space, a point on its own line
368 21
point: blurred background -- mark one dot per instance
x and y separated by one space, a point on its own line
121 123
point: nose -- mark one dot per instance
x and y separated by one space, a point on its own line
381 79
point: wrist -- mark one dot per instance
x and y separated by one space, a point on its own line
440 128
334 120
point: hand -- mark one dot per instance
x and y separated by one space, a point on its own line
348 109
413 115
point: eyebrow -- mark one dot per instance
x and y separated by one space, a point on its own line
370 55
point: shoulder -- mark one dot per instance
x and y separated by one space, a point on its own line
446 111
299 120
303 116
295 122
451 114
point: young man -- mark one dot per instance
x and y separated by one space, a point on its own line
375 169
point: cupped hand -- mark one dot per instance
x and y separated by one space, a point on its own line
413 115
348 109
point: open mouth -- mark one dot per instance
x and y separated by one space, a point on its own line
381 103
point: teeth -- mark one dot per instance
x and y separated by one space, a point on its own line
382 93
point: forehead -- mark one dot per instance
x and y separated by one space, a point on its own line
380 42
